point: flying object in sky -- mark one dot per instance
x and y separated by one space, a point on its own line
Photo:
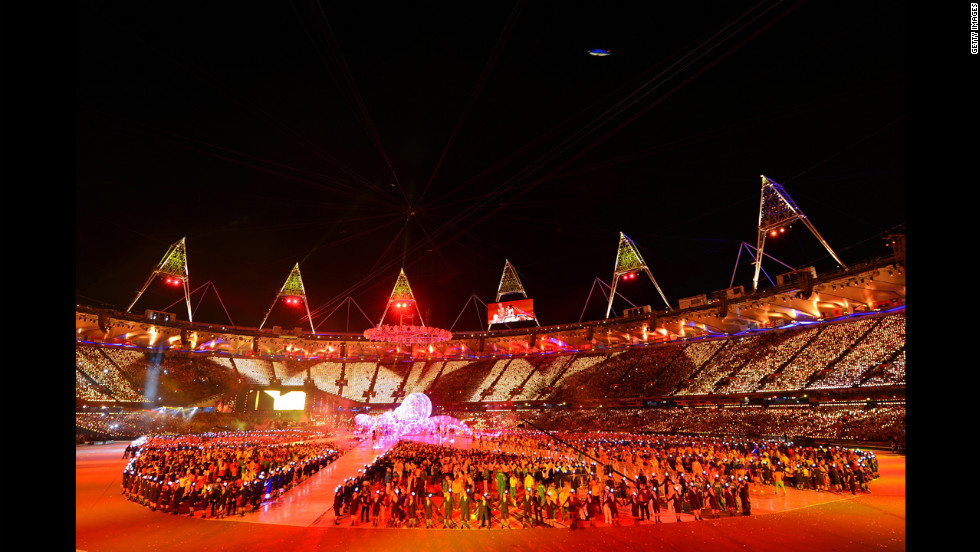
598 52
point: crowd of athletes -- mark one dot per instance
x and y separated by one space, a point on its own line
510 478
222 474
527 479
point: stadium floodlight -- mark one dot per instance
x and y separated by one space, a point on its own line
173 268
402 299
630 262
292 292
510 284
777 210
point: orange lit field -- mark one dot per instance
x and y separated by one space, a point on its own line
105 521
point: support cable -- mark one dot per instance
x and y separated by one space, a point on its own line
576 449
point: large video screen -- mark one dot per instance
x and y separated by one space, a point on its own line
268 399
507 312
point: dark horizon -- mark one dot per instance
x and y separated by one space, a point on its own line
358 143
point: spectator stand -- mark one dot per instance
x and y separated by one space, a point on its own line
253 370
891 372
850 335
491 380
459 380
871 350
420 377
390 378
536 362
290 371
510 380
635 378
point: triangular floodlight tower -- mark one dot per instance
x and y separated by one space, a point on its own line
510 283
776 210
292 287
173 265
406 334
629 261
402 295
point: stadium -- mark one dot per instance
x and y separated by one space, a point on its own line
787 353
337 288
794 377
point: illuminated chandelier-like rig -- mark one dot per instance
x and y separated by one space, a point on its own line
406 334
403 302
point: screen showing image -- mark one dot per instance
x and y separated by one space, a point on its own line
292 400
521 310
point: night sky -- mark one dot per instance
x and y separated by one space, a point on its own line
359 138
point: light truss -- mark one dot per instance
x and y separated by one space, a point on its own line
292 287
409 334
777 210
174 265
629 261
510 284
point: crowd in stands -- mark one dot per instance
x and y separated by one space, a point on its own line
459 380
684 365
545 373
325 375
103 424
421 376
889 373
517 371
94 364
358 376
133 362
387 381
124 375
646 365
774 350
254 370
830 344
731 356
577 366
599 382
486 385
184 380
829 423
219 474
874 349
87 390
289 372
864 352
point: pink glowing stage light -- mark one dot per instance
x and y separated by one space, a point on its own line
412 417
